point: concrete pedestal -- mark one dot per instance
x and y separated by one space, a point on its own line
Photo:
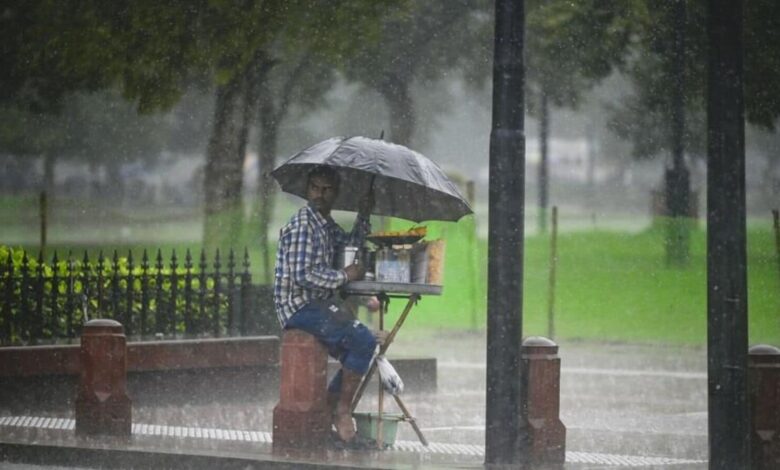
764 389
301 418
542 368
102 404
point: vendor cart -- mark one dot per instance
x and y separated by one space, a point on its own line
385 291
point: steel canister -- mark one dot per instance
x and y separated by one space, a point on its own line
346 256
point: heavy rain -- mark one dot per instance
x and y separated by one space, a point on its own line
390 234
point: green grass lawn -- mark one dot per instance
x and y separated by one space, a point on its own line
611 286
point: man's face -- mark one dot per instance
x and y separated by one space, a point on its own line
321 193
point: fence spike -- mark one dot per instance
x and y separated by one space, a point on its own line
54 299
159 265
145 261
217 264
130 261
231 260
40 264
188 260
246 260
174 260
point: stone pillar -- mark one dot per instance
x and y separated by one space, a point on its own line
542 370
102 404
302 418
764 397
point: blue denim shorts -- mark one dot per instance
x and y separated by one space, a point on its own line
347 340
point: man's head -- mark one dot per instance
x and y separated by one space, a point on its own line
322 188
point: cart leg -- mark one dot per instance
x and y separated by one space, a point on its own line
411 420
383 301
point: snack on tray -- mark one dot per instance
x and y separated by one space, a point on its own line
416 231
435 251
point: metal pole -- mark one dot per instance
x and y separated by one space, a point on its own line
727 333
551 279
506 430
776 222
544 161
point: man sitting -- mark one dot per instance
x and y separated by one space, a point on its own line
305 283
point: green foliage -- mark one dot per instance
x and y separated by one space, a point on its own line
643 118
572 45
421 41
111 287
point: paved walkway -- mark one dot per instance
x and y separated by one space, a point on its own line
624 406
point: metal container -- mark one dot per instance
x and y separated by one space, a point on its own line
392 265
345 256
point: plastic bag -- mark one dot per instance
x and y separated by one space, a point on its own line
391 381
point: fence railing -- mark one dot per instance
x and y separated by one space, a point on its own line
46 301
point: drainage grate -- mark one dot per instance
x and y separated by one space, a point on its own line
400 446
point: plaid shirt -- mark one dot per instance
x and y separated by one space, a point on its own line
304 259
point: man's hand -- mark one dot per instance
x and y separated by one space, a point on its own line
355 272
372 304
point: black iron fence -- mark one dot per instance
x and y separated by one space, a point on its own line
47 301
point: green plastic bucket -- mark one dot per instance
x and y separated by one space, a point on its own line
366 424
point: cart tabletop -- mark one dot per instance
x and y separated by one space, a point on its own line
377 287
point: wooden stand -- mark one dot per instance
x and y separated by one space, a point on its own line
384 301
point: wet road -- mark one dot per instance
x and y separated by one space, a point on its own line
624 406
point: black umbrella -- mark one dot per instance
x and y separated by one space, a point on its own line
405 183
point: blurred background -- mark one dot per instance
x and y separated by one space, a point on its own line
130 126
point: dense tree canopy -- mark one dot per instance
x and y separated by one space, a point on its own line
643 118
420 41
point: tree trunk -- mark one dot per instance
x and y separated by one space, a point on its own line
396 93
544 174
677 177
48 173
114 183
269 132
272 113
590 170
224 161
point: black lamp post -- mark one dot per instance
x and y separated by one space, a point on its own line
727 334
506 435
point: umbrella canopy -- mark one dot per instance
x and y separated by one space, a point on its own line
405 183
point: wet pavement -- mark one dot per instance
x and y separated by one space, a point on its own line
623 405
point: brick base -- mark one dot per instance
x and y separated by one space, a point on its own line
301 418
